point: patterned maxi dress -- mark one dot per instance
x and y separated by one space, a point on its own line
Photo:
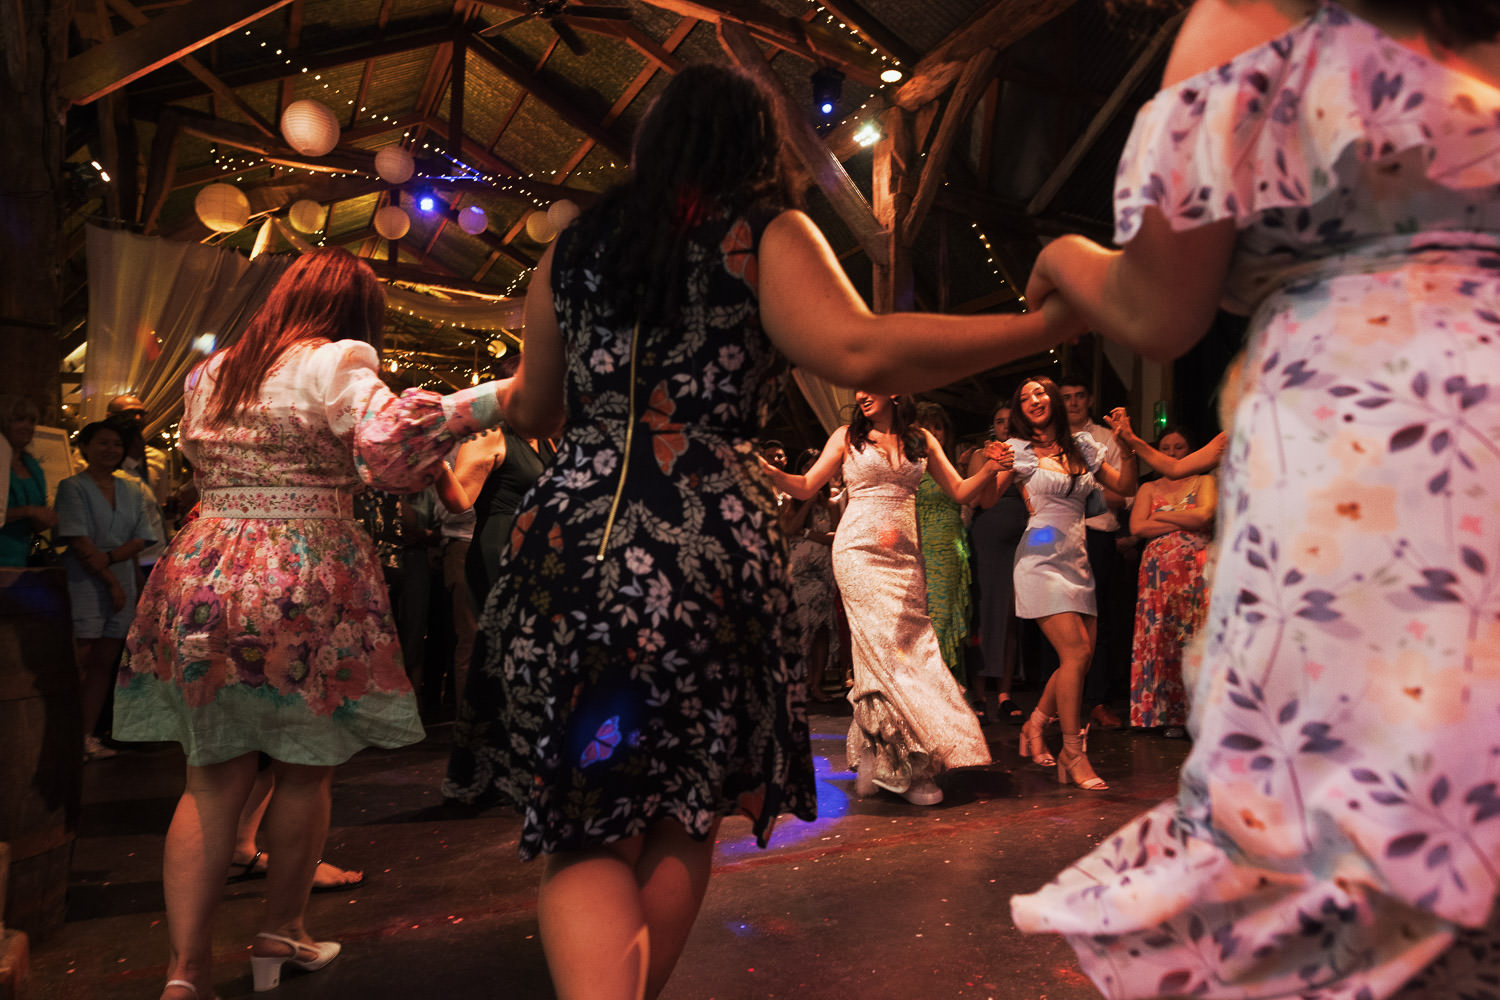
1338 823
814 593
266 625
635 660
907 707
945 559
1171 602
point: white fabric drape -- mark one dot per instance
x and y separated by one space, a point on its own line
149 301
827 400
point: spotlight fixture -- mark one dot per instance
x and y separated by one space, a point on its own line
868 134
426 201
827 84
892 75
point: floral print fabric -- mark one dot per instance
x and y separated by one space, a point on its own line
636 661
1337 829
275 633
1171 602
945 560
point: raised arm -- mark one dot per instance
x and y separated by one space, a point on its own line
532 401
804 486
945 475
816 318
1204 460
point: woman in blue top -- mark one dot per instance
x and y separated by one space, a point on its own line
103 518
26 511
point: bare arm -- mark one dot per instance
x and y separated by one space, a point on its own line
1200 516
804 486
1143 521
945 475
532 401
1202 461
450 491
475 459
1121 480
816 318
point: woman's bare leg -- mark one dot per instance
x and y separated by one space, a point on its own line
295 827
592 922
1072 635
96 662
673 875
200 840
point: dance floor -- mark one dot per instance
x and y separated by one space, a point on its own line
877 900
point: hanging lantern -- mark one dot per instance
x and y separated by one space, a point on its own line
309 127
305 216
395 165
262 239
392 222
561 214
472 220
222 208
540 228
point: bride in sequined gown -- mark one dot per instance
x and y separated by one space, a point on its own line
910 720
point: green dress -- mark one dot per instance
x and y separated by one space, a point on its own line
945 551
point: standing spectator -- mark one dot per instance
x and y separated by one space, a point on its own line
1175 517
945 550
143 460
104 520
457 530
26 511
1109 669
999 522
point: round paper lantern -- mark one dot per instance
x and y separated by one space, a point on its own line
539 227
309 127
561 214
222 207
472 220
305 216
392 222
395 165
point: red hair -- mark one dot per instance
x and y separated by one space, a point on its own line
327 294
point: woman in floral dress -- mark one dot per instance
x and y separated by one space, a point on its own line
1175 516
266 627
636 683
1333 170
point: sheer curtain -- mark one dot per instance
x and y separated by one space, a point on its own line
150 299
827 400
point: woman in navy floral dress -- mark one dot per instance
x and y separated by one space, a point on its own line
634 684
1332 170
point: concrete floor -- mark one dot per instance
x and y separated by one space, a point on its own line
877 900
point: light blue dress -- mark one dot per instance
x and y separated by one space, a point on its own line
1052 559
83 510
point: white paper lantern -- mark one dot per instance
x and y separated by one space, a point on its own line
305 216
309 127
392 222
395 165
539 227
262 239
222 208
561 214
472 220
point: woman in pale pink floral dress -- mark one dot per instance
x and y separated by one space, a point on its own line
266 627
1331 170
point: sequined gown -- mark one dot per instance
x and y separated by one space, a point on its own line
1336 832
907 707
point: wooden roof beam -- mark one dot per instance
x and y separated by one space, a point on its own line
871 29
999 25
129 56
549 95
976 76
1143 64
826 170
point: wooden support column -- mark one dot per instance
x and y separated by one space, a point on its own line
33 44
966 94
893 286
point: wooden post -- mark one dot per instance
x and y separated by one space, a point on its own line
891 192
33 37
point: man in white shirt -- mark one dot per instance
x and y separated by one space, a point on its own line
1109 674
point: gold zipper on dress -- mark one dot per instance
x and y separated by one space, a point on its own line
635 338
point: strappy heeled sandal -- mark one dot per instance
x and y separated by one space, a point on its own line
1033 746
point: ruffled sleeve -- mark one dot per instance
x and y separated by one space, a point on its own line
397 441
1269 128
1093 454
1025 460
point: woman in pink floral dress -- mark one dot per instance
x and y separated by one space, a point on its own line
266 627
1330 169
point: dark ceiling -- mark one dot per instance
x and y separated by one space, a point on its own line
513 104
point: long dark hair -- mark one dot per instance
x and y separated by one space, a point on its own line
708 147
903 426
1021 428
327 294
